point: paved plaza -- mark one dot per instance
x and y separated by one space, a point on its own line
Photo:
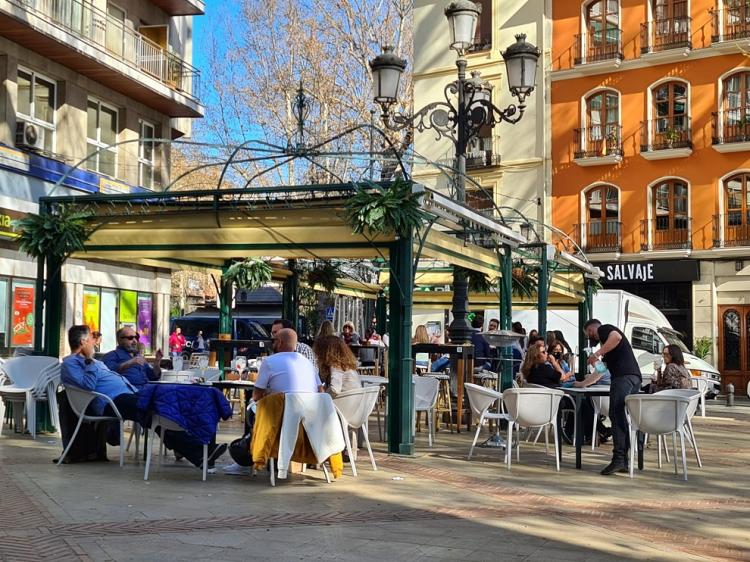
435 506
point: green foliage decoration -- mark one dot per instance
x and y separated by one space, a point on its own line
251 274
523 281
325 274
375 209
57 234
478 282
703 347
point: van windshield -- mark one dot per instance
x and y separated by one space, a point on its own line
673 338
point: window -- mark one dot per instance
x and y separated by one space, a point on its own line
669 9
601 230
736 204
481 200
102 134
736 99
115 34
670 205
36 104
146 155
670 109
483 34
602 29
646 339
601 136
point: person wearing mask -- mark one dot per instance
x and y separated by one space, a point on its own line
617 354
540 368
127 360
338 366
674 374
557 352
176 342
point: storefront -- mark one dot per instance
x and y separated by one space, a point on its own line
667 284
106 310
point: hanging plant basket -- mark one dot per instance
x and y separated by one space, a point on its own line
57 234
524 280
324 274
375 209
478 282
250 274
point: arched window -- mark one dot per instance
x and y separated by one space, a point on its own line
670 225
671 124
736 24
670 27
602 21
602 215
601 134
736 209
669 9
735 107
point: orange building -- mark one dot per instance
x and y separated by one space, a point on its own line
650 111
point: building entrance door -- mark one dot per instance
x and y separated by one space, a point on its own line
734 346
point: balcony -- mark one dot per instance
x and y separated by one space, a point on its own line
87 40
485 155
731 130
730 24
600 237
181 7
481 43
669 34
599 48
598 145
666 137
730 230
666 233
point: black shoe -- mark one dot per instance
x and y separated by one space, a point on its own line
113 435
216 453
613 467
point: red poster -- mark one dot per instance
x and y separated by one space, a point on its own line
23 317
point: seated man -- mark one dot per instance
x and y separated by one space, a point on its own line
127 361
81 370
286 370
303 348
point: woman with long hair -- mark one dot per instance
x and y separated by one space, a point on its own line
326 329
540 368
421 335
674 374
337 365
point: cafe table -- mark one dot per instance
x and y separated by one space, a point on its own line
578 394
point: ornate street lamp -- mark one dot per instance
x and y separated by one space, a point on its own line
461 120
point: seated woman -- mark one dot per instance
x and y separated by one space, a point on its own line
557 352
542 369
674 374
337 365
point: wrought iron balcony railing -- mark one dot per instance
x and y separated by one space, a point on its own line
731 23
600 236
664 133
731 229
117 39
598 141
731 126
665 34
599 46
666 233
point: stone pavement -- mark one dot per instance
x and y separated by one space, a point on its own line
435 506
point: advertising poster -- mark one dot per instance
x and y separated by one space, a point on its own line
144 320
128 307
23 317
91 309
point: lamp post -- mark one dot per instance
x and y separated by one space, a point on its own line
467 108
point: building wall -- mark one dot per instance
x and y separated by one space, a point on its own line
723 277
520 181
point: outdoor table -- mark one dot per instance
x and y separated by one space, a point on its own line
247 386
578 395
380 353
464 356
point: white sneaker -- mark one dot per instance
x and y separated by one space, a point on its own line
236 469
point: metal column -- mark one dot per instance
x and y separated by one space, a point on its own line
543 293
290 305
53 304
400 389
506 315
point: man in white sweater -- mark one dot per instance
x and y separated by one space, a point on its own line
286 370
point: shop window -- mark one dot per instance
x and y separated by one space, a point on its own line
4 314
22 314
102 128
646 339
36 105
108 319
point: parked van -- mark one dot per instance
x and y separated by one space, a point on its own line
243 328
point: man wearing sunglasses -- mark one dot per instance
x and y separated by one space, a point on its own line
127 360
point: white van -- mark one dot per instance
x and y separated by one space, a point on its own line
647 329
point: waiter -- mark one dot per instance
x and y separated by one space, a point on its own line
617 354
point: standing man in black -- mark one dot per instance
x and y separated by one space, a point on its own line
617 354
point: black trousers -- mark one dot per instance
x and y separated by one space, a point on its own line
178 441
621 387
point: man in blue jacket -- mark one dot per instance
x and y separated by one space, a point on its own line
127 361
81 370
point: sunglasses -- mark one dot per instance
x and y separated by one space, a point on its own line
129 337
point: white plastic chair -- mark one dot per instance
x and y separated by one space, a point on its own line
355 406
425 398
166 425
532 407
601 408
79 401
481 399
701 384
694 396
657 414
31 378
381 383
195 358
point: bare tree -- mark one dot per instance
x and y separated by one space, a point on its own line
269 48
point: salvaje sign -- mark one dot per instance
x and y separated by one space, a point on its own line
656 271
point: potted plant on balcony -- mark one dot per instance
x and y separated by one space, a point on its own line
672 135
610 142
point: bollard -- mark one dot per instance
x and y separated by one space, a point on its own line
730 395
